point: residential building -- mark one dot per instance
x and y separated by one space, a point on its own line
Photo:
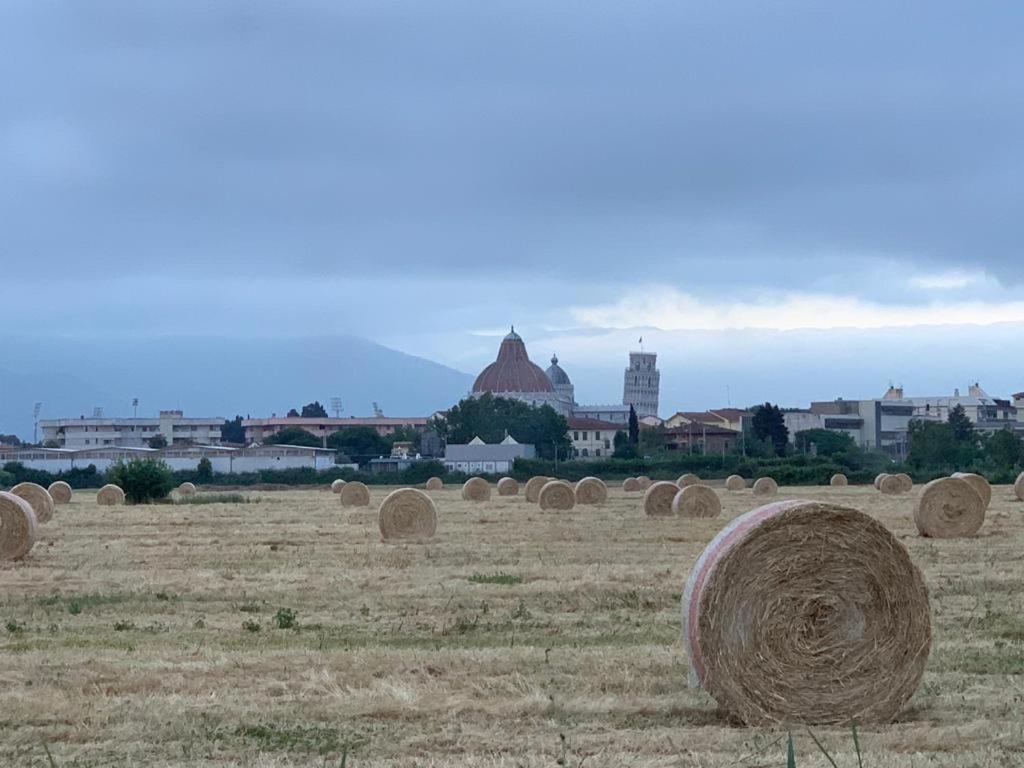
800 420
642 383
258 430
987 413
478 456
94 432
614 414
591 438
704 438
735 419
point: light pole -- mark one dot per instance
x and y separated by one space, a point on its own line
35 421
135 407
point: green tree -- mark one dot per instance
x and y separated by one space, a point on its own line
963 429
623 449
404 434
10 440
492 418
293 436
634 428
142 480
652 440
933 445
292 414
359 442
314 410
769 424
828 442
231 430
204 470
157 441
1004 449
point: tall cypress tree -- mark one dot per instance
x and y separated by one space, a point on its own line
634 427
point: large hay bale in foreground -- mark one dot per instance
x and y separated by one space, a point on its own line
591 490
838 480
354 494
659 497
906 482
18 527
735 483
337 485
631 485
979 484
804 612
949 508
557 494
507 486
476 489
697 501
434 484
187 489
407 513
890 484
533 486
687 479
765 487
645 482
60 492
38 498
109 495
1018 486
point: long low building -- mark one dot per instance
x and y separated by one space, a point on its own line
478 456
223 460
99 432
258 430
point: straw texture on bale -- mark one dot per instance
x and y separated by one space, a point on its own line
688 479
949 508
60 492
645 482
354 494
659 497
507 486
109 495
805 612
878 481
765 486
337 485
407 513
697 501
434 484
38 498
890 484
187 489
631 485
476 489
533 486
735 483
557 494
979 484
1018 486
838 480
18 530
906 482
591 490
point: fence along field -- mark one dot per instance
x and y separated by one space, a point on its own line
284 631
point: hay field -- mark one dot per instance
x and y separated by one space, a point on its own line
149 636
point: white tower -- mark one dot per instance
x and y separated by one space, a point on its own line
642 383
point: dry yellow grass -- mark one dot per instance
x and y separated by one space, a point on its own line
125 642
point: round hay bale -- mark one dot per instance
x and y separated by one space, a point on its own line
591 490
878 480
979 484
557 494
890 484
688 479
507 486
839 480
407 513
906 482
434 484
476 489
631 485
109 496
354 494
659 497
1018 486
187 489
697 501
38 498
18 527
735 483
60 492
806 612
337 485
765 487
533 486
949 508
645 482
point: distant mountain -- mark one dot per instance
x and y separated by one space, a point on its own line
217 377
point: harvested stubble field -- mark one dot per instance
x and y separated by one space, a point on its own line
153 636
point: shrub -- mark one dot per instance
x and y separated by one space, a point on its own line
204 470
142 480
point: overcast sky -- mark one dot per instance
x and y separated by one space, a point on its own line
425 174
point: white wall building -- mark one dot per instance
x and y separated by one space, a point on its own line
131 432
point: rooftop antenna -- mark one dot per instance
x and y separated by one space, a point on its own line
36 410
135 407
97 412
336 407
728 397
377 411
641 345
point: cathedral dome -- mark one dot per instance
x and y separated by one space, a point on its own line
557 376
512 371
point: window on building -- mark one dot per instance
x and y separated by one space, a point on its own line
585 453
584 435
575 435
607 444
597 452
597 435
